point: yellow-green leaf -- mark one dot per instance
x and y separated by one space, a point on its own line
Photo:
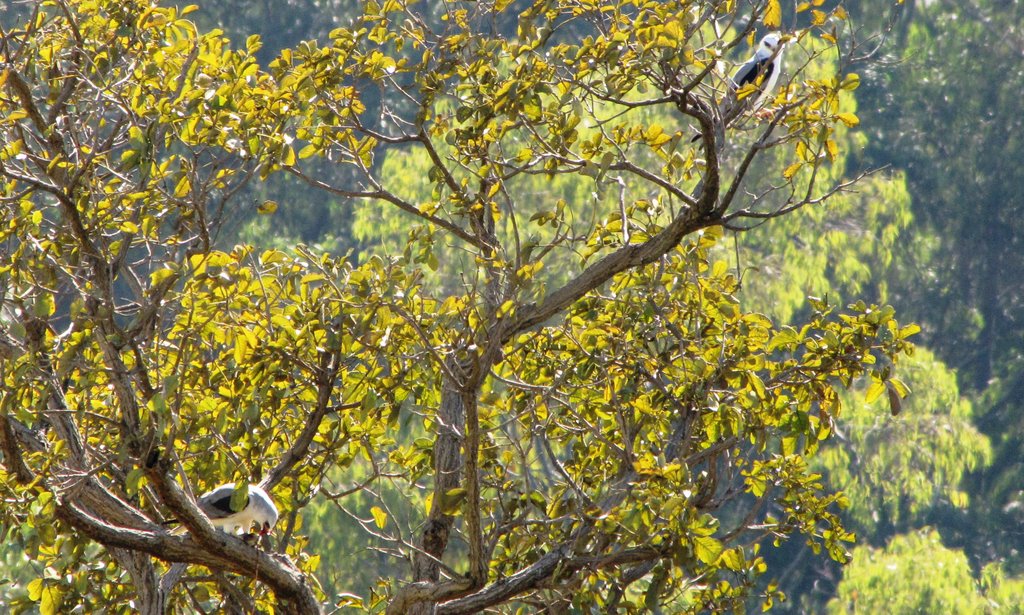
707 549
35 589
160 275
184 185
832 149
850 81
241 348
50 602
379 516
288 156
850 119
874 391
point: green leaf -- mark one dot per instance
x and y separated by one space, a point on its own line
131 482
240 496
45 305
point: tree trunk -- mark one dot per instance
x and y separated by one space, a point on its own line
448 462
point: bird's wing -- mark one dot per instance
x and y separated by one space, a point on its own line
217 503
756 68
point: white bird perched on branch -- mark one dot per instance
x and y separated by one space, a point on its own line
760 71
257 509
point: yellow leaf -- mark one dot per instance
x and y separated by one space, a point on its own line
288 156
803 152
833 149
241 348
379 516
45 305
51 601
184 185
773 14
267 207
35 589
874 391
160 275
707 549
850 119
850 81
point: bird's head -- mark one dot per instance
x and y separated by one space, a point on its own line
771 41
265 512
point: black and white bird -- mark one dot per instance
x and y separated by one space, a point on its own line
258 509
761 71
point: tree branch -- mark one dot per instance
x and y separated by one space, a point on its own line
384 195
624 258
554 563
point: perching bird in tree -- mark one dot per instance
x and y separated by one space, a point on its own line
761 71
257 509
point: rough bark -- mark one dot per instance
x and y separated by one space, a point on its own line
448 467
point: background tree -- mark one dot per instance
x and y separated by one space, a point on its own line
948 114
915 573
617 434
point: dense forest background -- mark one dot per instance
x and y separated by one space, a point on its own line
935 230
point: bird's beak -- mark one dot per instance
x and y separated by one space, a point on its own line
265 529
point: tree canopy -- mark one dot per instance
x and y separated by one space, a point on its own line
578 413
